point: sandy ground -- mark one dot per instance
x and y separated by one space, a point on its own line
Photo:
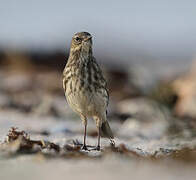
108 166
28 167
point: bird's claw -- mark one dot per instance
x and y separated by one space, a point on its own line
84 148
97 148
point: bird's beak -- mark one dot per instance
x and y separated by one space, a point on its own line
88 38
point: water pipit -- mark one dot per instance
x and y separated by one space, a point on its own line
85 87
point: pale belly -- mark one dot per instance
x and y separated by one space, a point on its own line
86 103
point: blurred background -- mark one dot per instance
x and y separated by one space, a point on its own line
147 50
142 43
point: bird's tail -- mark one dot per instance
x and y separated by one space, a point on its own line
106 131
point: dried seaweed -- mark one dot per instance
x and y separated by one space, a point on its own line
14 134
20 142
72 145
187 155
121 149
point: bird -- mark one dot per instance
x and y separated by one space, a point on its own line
85 87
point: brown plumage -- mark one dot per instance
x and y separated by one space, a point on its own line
85 87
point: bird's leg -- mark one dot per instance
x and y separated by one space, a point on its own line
84 144
98 123
85 127
98 143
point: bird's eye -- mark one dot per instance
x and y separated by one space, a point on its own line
78 39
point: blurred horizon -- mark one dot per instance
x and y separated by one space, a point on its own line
128 31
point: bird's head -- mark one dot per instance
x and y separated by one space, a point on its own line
81 42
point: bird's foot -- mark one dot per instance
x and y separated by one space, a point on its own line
97 148
84 147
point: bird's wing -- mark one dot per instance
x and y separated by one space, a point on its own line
101 79
66 74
